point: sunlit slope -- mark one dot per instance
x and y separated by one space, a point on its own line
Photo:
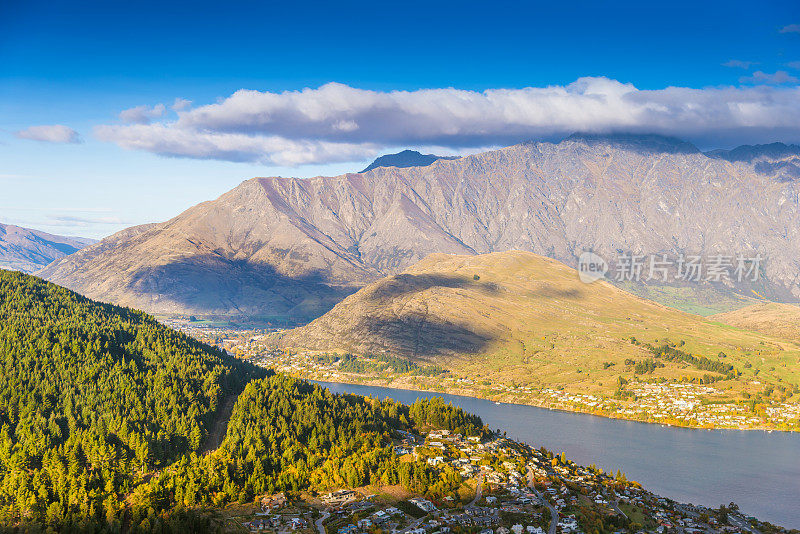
521 317
772 318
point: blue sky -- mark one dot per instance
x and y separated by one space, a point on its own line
592 65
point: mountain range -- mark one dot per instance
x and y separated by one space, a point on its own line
291 248
27 250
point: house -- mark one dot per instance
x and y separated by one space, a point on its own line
348 529
423 504
271 503
340 497
568 524
379 517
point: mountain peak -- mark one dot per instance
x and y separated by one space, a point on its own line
406 158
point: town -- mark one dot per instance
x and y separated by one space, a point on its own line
509 488
671 403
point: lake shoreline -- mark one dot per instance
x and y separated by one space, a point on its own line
407 386
705 468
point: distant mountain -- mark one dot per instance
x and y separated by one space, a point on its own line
751 152
26 250
775 159
406 158
292 248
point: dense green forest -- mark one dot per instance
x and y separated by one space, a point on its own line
92 397
104 411
288 434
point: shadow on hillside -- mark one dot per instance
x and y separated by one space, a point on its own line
418 336
549 291
407 284
212 284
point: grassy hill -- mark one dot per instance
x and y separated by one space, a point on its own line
770 318
517 317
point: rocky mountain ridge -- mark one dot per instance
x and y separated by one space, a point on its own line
290 247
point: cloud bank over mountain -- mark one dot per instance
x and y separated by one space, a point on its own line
336 122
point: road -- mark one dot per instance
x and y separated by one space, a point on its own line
737 521
320 526
415 524
478 492
615 505
217 433
733 518
553 511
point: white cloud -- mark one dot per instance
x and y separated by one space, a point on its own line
180 104
166 140
791 28
142 114
53 133
795 65
739 64
336 122
776 78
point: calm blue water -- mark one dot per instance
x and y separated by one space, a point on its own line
757 470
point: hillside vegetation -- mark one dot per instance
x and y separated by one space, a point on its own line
103 413
516 317
288 434
93 397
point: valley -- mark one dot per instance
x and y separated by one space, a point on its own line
521 328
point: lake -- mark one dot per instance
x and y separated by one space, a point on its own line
757 470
